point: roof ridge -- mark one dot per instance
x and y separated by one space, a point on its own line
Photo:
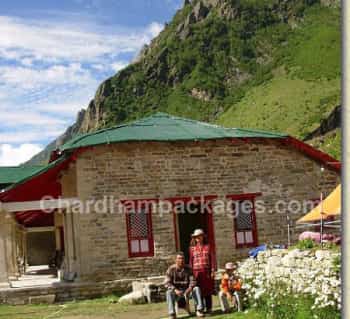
113 127
188 120
219 126
20 166
261 131
161 120
83 135
131 123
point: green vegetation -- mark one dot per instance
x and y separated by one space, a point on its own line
337 264
315 49
329 143
103 308
288 307
306 86
291 307
295 106
273 67
265 64
306 244
309 244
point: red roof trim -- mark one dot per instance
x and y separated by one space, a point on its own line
45 183
37 186
314 153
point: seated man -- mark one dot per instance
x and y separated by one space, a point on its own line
230 284
181 284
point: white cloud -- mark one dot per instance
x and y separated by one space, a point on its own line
15 155
98 66
30 135
53 42
49 70
155 28
29 117
62 54
28 78
27 61
66 108
117 66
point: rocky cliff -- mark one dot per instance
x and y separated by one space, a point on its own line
215 54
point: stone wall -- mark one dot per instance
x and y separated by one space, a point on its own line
62 292
276 274
163 170
283 262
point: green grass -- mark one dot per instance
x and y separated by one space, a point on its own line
330 143
315 48
305 85
290 105
102 308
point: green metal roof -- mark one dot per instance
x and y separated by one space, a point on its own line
36 171
163 127
14 174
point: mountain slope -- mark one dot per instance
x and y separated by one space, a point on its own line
305 90
328 135
271 64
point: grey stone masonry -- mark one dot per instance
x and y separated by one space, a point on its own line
141 170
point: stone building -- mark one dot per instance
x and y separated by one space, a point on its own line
34 242
205 174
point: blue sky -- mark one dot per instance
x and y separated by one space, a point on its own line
54 54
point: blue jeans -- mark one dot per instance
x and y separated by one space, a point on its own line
172 298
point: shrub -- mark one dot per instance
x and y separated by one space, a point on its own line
306 244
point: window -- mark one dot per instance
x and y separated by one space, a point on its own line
245 230
139 231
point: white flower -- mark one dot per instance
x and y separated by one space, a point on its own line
299 274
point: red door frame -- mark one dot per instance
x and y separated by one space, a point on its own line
199 199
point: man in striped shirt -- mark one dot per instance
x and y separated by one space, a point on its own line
181 285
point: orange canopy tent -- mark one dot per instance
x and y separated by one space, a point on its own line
329 207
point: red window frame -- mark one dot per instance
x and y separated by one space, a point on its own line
139 205
254 231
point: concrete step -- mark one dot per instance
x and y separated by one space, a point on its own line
36 276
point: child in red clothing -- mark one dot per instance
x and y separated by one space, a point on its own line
230 284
